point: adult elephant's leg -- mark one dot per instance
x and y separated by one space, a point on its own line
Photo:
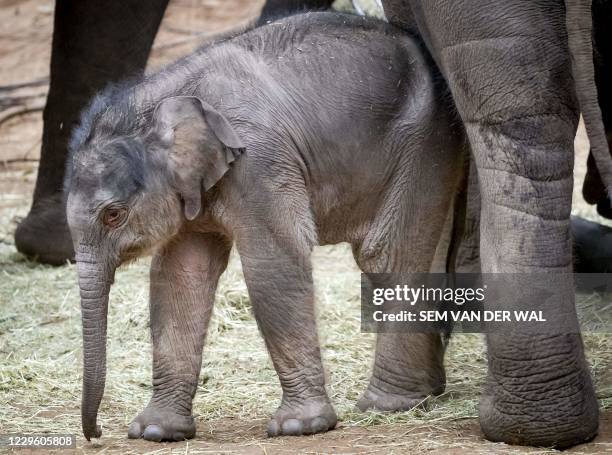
592 242
94 43
593 189
274 9
509 71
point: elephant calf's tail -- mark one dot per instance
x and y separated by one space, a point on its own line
579 23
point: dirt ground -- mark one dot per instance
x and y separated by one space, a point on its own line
24 56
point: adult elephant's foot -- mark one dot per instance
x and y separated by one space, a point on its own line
547 401
162 424
299 417
43 235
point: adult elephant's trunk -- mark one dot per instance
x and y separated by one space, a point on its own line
95 278
579 22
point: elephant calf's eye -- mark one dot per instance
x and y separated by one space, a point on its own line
114 216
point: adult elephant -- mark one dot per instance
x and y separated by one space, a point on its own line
509 70
94 43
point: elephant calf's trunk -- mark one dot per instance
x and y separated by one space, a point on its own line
94 284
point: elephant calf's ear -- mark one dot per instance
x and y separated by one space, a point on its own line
197 158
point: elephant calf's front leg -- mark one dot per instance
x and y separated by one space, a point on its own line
184 278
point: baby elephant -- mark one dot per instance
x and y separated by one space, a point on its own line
315 129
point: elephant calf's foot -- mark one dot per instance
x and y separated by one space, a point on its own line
378 400
382 395
44 235
310 416
154 424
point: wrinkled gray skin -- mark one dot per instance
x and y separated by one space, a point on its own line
316 129
508 67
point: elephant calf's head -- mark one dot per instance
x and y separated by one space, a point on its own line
134 179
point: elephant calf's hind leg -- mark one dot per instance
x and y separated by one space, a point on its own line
279 278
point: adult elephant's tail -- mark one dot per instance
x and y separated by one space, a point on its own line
579 22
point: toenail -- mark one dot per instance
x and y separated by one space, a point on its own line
273 428
318 424
153 433
135 430
292 427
